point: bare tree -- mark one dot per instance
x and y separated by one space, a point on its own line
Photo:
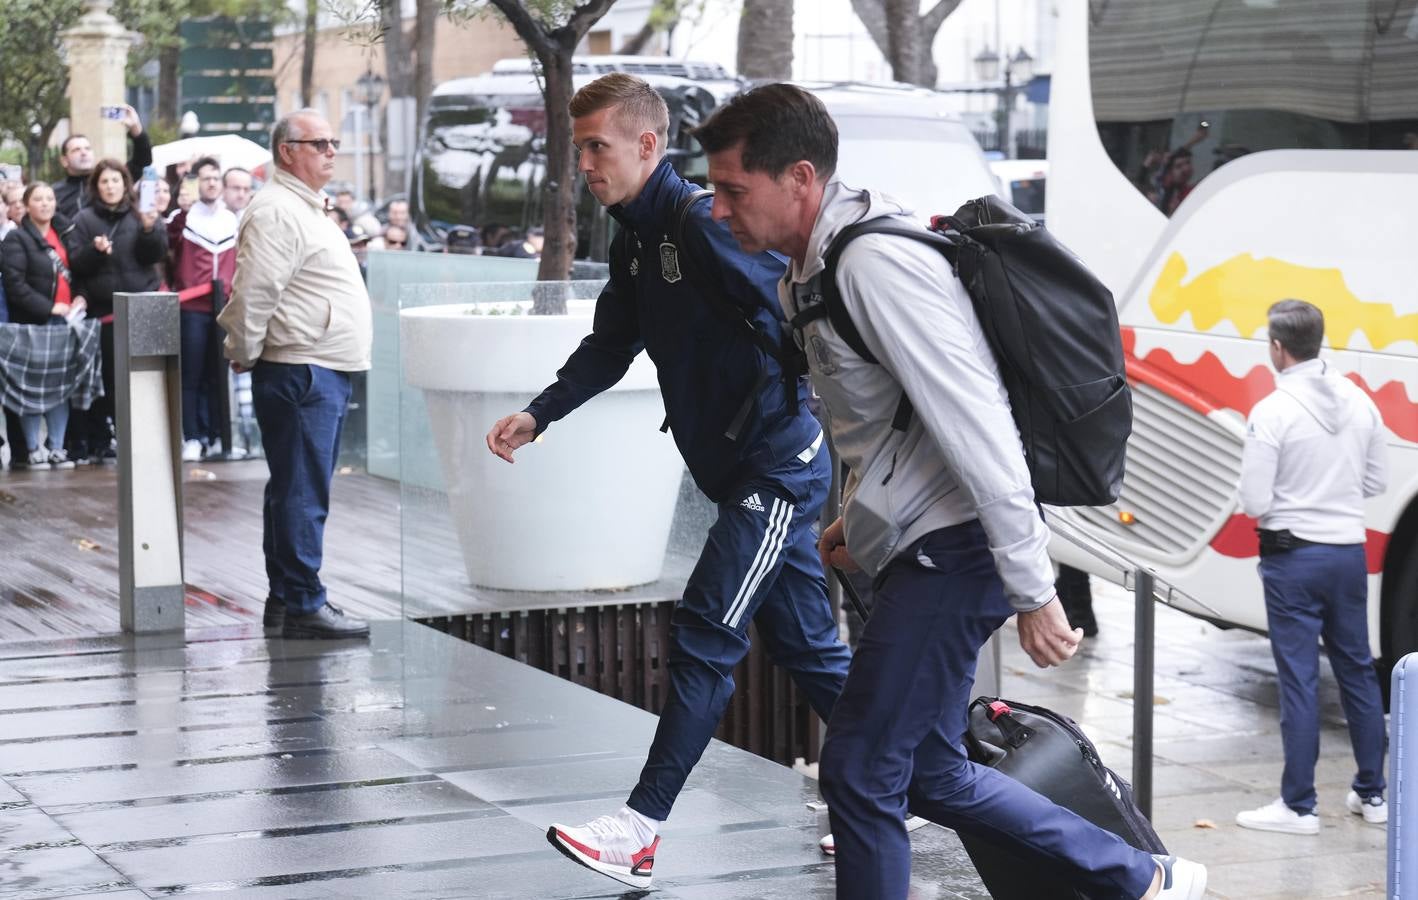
425 33
307 56
664 15
552 36
905 35
766 39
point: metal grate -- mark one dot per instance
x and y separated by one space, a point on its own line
1180 484
622 652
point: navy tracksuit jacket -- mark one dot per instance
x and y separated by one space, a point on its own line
769 480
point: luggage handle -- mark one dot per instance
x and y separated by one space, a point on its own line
1014 732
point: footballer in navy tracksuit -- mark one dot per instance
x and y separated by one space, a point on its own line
751 445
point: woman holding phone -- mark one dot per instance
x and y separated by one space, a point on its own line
117 249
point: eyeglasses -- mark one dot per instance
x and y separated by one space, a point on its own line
389 243
320 144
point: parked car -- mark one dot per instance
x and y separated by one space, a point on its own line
481 158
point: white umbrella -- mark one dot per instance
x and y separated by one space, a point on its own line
228 149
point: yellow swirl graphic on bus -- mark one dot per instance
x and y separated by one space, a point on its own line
1243 288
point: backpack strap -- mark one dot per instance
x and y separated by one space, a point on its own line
790 362
835 310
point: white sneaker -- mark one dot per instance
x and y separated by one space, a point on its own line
39 458
213 449
1374 810
829 846
59 459
1278 817
1182 879
192 451
607 845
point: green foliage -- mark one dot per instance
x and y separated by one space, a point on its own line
158 21
33 76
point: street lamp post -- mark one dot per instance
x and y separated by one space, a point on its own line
1018 69
371 88
35 132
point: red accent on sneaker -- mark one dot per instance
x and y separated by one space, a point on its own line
642 862
591 852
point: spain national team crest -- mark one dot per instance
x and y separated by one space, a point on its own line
669 262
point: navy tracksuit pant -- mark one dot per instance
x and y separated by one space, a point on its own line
1311 592
896 736
759 564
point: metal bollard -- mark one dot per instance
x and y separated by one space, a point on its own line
1402 767
1142 689
148 407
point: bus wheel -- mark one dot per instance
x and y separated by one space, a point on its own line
1399 636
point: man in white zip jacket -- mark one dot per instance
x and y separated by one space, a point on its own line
942 515
1315 449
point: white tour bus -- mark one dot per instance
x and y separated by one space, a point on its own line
1207 160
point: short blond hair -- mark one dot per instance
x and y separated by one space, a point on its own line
639 107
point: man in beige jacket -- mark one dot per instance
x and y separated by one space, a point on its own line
299 320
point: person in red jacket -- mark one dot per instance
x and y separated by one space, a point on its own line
203 241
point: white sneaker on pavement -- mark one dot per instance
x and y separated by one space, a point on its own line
59 459
1277 816
1374 809
1182 879
829 846
608 845
192 451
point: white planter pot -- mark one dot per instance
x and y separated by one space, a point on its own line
586 507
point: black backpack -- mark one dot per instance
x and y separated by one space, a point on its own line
1054 331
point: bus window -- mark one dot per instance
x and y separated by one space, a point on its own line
1181 87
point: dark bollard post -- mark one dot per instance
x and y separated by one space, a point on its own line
1144 626
148 406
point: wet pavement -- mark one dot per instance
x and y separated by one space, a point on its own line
419 766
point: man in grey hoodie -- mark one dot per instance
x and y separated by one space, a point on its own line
1315 449
942 515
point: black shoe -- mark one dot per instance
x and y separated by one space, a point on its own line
274 615
326 622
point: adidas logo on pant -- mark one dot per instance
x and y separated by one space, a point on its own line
751 502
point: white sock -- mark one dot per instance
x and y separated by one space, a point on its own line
644 827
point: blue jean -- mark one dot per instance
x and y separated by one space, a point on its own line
896 736
1311 592
759 564
301 410
198 377
57 418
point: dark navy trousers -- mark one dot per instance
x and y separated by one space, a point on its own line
759 564
1311 592
896 737
301 411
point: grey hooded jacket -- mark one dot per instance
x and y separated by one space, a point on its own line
1314 449
961 458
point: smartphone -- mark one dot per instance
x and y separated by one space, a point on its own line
112 112
147 195
11 173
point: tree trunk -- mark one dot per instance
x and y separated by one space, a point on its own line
766 39
559 189
307 58
425 33
169 64
903 40
399 72
635 45
882 18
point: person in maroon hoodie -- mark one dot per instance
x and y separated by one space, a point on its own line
203 242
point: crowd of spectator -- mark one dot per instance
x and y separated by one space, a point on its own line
67 248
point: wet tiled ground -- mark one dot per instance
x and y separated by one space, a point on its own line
418 766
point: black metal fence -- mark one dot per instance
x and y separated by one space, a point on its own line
623 651
1030 143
